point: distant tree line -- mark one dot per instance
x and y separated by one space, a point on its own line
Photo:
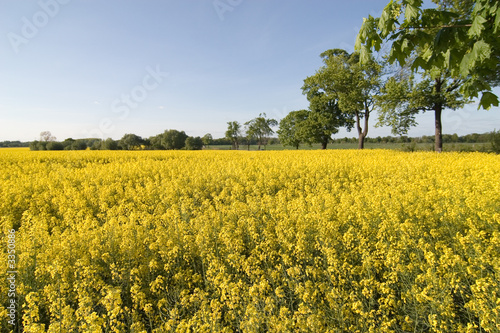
169 140
13 144
175 140
447 138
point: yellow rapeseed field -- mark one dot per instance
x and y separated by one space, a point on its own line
236 241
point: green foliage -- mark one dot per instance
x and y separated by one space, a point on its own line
173 139
79 144
395 107
290 132
155 142
130 142
38 145
260 128
233 133
344 89
54 145
495 141
109 144
458 36
194 143
320 125
14 144
207 139
401 99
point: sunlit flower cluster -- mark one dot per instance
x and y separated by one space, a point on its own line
277 241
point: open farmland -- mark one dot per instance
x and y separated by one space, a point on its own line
223 241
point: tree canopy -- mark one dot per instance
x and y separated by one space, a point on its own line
233 133
194 143
402 98
130 141
459 36
291 127
260 128
345 88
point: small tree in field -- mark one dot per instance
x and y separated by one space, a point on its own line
260 128
207 139
46 136
233 133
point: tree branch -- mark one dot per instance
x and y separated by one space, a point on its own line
439 26
456 83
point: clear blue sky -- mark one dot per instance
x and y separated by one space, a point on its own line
105 68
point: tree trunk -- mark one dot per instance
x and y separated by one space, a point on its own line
362 133
323 144
361 142
438 108
438 146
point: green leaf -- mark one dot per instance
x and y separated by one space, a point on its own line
357 45
477 26
465 65
443 39
419 63
411 12
488 99
384 17
386 22
481 50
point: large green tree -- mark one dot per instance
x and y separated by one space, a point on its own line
461 37
291 127
347 85
260 128
207 139
403 97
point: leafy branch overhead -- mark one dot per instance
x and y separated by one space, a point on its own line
462 37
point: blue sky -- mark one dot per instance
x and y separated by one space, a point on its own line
105 68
